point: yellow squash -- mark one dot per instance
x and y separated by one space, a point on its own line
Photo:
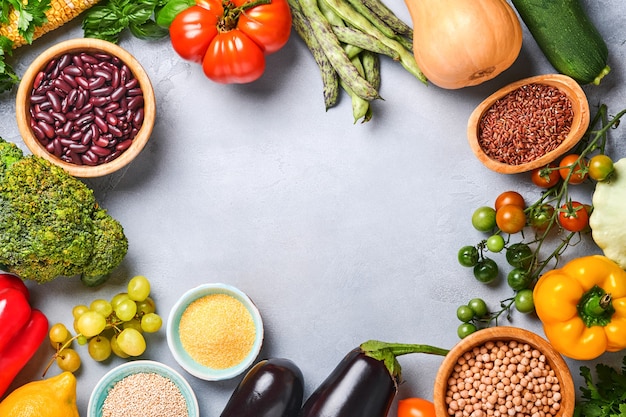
582 307
51 397
461 43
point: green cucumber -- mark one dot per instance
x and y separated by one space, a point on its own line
567 37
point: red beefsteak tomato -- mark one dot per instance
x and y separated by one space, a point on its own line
230 38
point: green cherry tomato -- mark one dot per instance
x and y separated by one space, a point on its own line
465 313
478 306
486 270
519 255
465 329
600 167
541 217
518 279
484 219
495 243
468 256
524 302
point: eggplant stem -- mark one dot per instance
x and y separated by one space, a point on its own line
387 353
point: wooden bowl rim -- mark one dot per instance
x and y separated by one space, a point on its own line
580 105
22 105
506 333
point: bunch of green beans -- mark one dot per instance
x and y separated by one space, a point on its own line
346 39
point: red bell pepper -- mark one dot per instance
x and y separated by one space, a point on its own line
22 329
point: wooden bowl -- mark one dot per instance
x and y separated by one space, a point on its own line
505 334
23 105
580 122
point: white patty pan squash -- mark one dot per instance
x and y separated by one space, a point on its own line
608 219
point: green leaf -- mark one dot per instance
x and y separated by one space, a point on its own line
148 30
8 77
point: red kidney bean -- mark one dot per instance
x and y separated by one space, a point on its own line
123 145
38 99
101 124
38 79
89 59
135 102
118 93
97 82
83 82
70 80
73 70
102 142
86 108
39 133
44 117
99 101
104 91
138 119
112 119
111 107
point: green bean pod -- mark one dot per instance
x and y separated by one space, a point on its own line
335 53
386 15
349 35
330 79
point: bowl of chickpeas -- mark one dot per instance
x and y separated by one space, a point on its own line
504 371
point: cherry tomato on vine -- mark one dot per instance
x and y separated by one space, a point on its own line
541 216
518 279
600 167
495 243
484 219
231 38
524 302
546 177
576 165
465 329
486 270
573 216
416 407
468 256
519 255
509 198
479 306
511 219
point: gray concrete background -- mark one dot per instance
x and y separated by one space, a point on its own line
339 232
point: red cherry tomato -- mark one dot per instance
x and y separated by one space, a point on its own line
574 164
509 198
416 407
573 216
511 219
546 177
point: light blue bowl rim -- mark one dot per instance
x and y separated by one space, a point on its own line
102 388
184 359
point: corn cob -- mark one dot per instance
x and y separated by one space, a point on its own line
59 13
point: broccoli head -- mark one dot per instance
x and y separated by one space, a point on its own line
51 224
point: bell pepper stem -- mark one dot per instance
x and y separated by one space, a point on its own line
388 352
595 307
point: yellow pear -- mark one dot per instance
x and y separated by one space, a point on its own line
51 397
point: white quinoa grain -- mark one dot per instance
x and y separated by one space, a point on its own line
145 394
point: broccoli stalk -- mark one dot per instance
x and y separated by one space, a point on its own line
51 224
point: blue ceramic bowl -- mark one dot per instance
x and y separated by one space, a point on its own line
102 388
180 354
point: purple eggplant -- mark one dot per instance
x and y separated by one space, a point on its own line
271 388
364 383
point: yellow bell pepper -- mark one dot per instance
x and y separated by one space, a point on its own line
582 307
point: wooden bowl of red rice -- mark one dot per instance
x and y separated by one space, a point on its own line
529 123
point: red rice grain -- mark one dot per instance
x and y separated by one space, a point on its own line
525 124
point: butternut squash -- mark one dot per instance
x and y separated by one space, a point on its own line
462 43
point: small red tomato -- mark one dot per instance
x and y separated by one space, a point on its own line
511 219
416 407
573 216
509 198
546 177
575 165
